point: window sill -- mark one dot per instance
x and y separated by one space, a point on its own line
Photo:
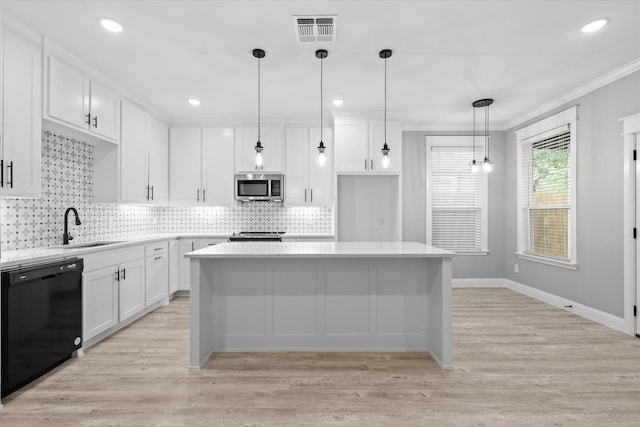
473 253
569 265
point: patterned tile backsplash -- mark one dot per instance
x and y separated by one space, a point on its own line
67 180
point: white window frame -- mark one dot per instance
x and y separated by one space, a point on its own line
535 132
456 141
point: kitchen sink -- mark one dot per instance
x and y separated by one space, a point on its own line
85 245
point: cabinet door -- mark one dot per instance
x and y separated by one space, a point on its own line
217 166
157 269
174 258
351 146
68 94
158 169
185 165
21 121
185 246
105 111
99 301
394 142
297 190
131 288
272 141
320 177
133 155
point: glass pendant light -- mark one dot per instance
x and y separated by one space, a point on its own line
322 159
385 54
487 164
259 54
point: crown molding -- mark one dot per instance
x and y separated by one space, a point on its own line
572 95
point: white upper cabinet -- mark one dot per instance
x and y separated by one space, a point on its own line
201 166
74 99
158 161
20 146
306 182
144 154
133 155
358 146
272 141
217 166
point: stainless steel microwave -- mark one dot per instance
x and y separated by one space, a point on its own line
259 187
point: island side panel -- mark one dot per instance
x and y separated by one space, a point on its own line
202 305
439 310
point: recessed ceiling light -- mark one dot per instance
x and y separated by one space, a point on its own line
193 101
337 102
111 25
595 25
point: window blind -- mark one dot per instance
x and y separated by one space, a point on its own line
457 196
546 207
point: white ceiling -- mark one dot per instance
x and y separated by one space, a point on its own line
446 54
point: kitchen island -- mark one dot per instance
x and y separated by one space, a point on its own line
320 296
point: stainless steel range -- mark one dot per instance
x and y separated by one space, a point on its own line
257 236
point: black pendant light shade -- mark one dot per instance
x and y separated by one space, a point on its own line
321 54
385 54
259 54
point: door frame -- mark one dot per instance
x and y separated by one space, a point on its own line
631 170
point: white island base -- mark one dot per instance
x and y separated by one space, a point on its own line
271 296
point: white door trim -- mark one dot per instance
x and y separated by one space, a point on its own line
631 130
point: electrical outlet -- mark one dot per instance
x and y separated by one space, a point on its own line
515 268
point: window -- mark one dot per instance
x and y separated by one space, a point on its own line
547 189
456 197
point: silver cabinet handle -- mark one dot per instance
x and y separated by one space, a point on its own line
10 184
152 192
198 195
365 164
158 249
371 164
312 194
305 194
192 245
203 199
147 187
157 258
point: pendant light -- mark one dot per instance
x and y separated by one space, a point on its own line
322 159
487 164
259 54
385 54
475 167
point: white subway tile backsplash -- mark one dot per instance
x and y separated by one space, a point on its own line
67 180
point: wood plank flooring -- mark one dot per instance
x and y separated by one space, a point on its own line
517 362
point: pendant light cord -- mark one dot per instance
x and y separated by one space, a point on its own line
321 100
385 100
486 128
474 134
258 99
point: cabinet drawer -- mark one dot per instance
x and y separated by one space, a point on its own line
156 248
100 259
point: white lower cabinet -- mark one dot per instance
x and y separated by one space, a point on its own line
113 289
174 264
189 245
131 285
99 301
157 269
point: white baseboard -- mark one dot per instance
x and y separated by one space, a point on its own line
479 283
598 316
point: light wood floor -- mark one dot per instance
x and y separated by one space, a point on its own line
517 362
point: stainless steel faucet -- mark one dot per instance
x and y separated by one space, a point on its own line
66 237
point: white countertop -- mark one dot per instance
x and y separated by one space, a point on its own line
35 255
320 250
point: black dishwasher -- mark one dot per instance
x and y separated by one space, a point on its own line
41 320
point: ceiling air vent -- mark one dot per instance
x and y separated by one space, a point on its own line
315 28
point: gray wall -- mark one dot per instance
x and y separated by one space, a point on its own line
413 204
598 281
